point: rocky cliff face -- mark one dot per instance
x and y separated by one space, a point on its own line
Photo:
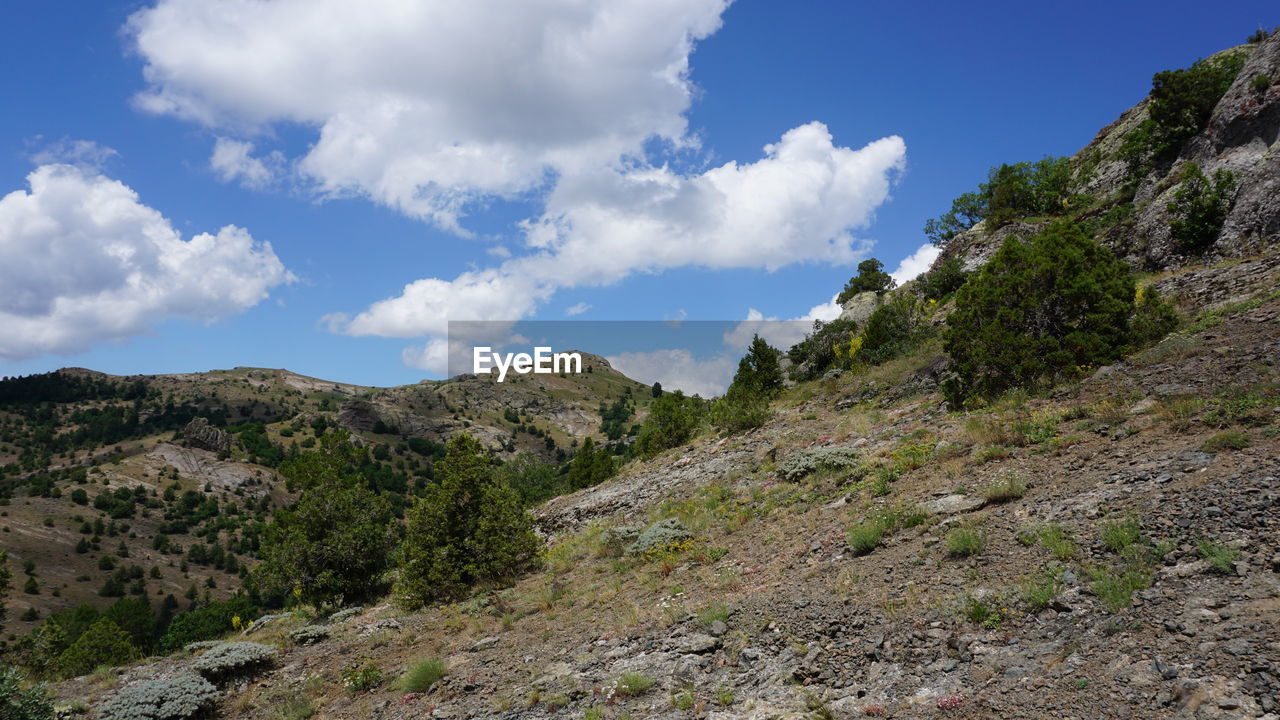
1241 137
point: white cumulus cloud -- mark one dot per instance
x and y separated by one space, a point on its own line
677 369
233 160
424 105
916 264
83 261
799 203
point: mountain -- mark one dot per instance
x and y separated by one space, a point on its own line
1102 545
73 435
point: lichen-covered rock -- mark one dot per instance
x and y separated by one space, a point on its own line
802 462
309 634
236 658
176 698
659 536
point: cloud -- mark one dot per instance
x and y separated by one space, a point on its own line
677 369
233 160
426 105
81 153
577 309
82 261
916 264
798 203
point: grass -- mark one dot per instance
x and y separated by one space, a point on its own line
1221 558
422 675
632 684
683 700
1042 588
1116 587
713 614
868 534
1005 488
965 542
724 697
978 612
1228 440
1119 535
1056 541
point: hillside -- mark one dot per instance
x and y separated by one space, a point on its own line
74 435
1099 543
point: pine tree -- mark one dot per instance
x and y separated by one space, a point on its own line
104 643
467 529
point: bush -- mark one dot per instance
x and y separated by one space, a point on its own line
22 703
1040 309
940 282
1260 84
207 623
362 677
632 684
894 329
176 698
871 277
135 617
1199 207
659 537
1011 191
865 536
1259 35
965 542
309 634
334 544
1041 590
824 457
1153 318
534 479
104 643
1181 103
422 675
468 528
228 660
673 420
812 356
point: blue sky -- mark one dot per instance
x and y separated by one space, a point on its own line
420 162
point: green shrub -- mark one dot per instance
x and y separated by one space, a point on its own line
871 277
1038 310
894 329
1011 191
177 698
468 528
333 545
227 660
815 354
1229 440
673 420
1260 83
1153 318
19 702
1221 558
659 537
745 404
135 617
422 675
965 542
362 677
1259 35
940 282
1199 207
104 643
866 535
1057 542
207 623
1181 103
